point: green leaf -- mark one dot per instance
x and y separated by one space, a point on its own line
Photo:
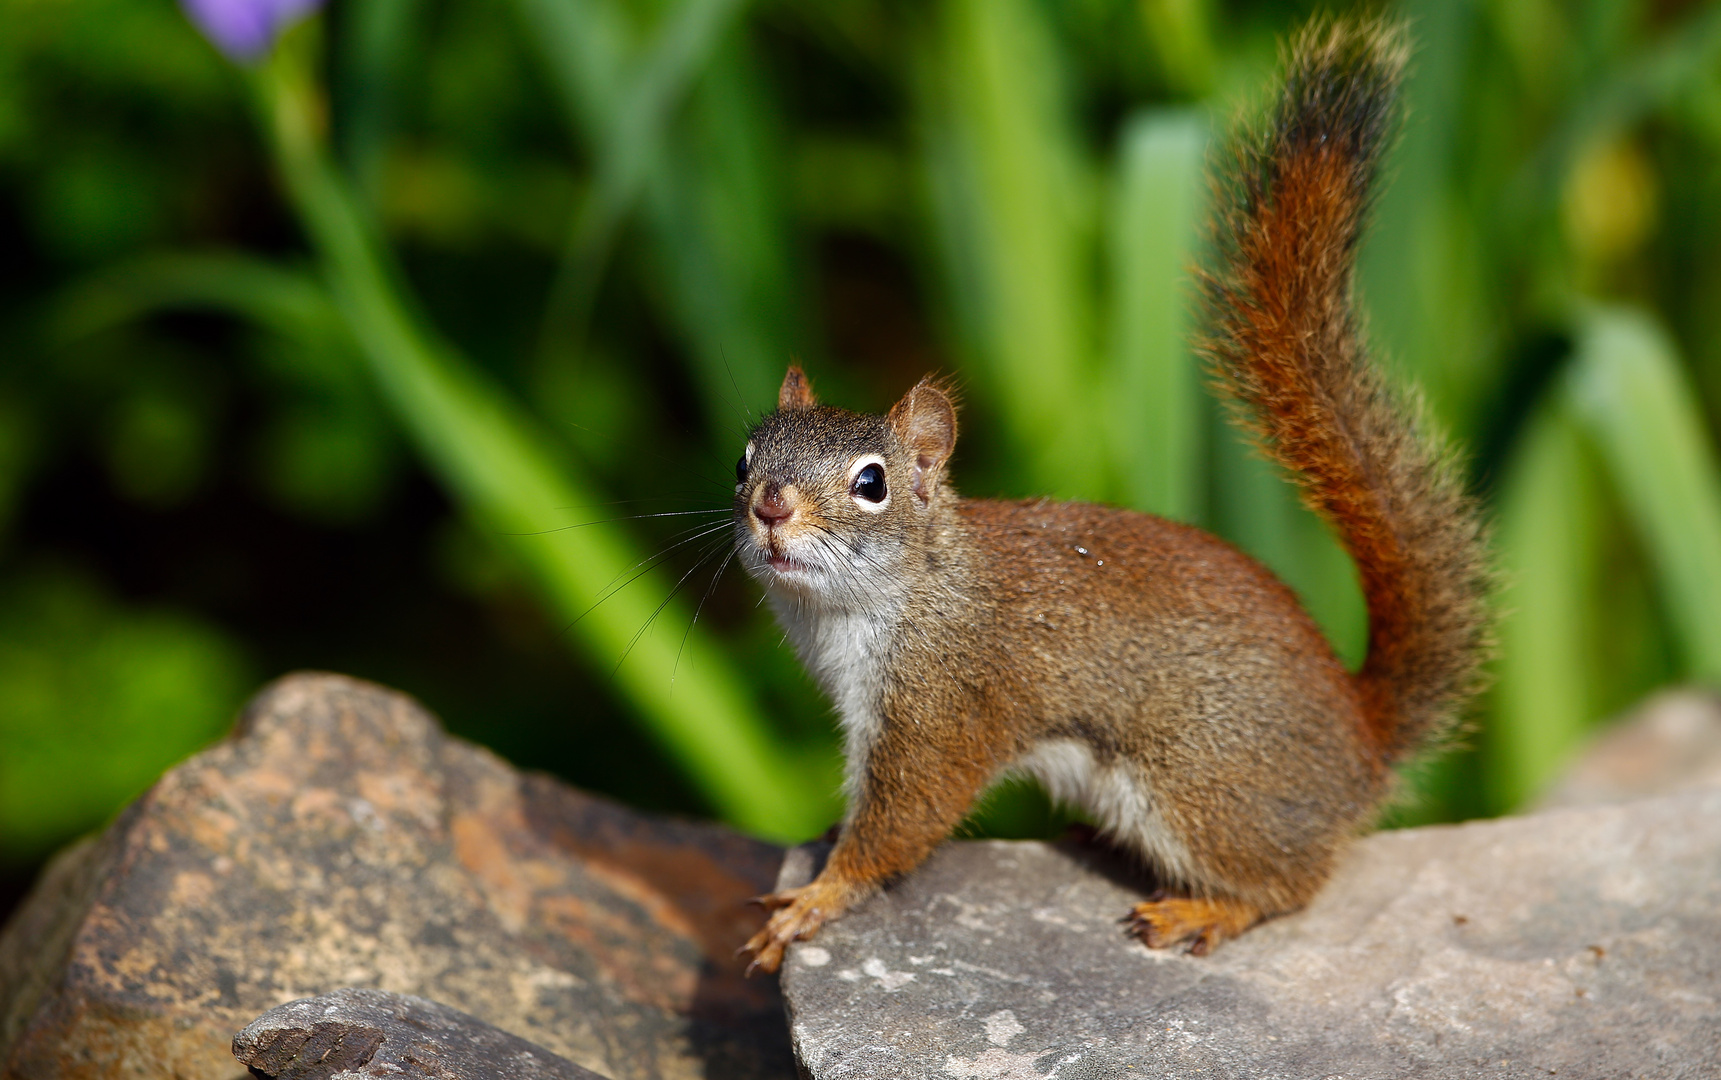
99 700
1013 207
1421 267
291 303
1634 398
722 247
377 39
586 45
629 147
1683 56
710 182
1542 702
1180 32
1158 414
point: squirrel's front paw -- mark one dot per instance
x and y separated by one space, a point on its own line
795 915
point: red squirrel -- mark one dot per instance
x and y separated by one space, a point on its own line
1139 668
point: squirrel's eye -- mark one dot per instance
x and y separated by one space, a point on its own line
741 470
869 484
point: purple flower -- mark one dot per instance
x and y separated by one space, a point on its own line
244 29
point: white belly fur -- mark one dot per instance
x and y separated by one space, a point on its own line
844 651
1116 794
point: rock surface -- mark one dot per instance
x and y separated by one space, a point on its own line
1672 742
1577 943
338 838
358 1034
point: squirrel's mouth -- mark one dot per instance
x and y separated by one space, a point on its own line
783 564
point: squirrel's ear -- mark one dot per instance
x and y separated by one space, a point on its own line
925 421
796 391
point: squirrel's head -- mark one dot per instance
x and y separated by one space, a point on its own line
830 504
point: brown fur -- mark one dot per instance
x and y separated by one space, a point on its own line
796 391
1143 668
1286 340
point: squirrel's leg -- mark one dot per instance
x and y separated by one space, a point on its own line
912 791
1169 920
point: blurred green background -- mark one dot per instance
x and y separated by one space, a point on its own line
423 352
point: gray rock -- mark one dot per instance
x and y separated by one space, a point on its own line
1672 742
1577 943
355 1034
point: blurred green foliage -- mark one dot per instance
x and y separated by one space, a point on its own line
99 700
423 352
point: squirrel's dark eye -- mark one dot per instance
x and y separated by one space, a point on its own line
741 469
869 484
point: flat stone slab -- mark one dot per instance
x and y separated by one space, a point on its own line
1577 943
361 1034
1672 742
340 838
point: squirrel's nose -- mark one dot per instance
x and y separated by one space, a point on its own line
771 508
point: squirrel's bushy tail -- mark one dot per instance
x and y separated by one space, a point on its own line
1286 341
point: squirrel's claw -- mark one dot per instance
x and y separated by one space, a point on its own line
776 900
795 915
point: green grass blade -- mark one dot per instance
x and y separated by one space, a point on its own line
1542 702
498 466
1681 58
1635 399
629 145
722 245
586 46
1422 268
1158 415
1180 32
291 303
1013 208
377 39
711 196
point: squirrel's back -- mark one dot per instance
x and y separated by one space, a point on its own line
1120 650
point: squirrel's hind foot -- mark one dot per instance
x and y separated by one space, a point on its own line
1163 922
